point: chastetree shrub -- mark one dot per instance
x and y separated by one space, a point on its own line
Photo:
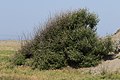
68 39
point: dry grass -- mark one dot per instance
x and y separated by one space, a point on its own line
9 45
10 72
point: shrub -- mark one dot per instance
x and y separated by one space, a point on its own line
68 39
19 59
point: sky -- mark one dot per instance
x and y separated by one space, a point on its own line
18 17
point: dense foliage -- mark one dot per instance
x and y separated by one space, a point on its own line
68 39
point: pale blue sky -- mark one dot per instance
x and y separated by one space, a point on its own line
21 16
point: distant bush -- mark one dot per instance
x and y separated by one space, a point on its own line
68 39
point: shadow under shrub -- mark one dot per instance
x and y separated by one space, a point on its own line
68 39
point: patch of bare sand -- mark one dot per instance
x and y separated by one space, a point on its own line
108 66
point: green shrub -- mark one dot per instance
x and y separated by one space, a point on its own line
19 59
68 39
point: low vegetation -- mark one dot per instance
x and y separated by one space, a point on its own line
12 72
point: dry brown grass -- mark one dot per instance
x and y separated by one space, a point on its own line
9 45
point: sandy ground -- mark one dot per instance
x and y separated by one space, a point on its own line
108 66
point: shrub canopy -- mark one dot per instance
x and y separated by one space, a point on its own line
68 39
